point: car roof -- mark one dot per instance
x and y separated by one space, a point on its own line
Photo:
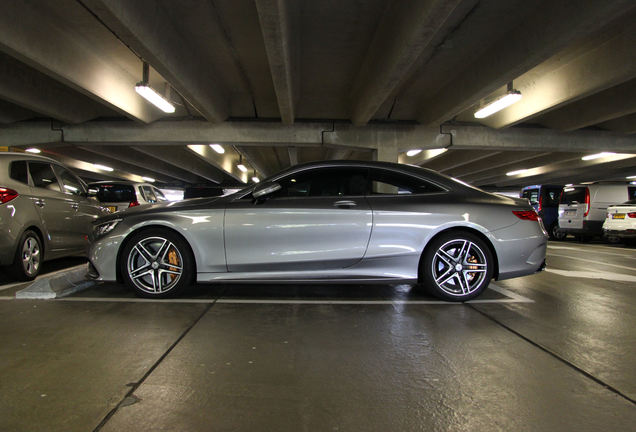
118 182
28 156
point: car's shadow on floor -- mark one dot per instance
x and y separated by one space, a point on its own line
47 267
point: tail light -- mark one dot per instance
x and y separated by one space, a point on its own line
540 202
631 215
7 195
133 204
587 201
526 215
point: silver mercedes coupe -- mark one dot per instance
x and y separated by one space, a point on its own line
338 221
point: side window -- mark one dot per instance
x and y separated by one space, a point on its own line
70 183
43 176
148 194
326 182
18 172
385 182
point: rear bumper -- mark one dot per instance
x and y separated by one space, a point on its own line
628 233
589 228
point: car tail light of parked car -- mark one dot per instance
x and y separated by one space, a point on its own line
526 215
587 202
7 195
133 204
631 215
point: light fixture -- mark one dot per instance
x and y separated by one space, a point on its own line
516 172
504 101
631 177
33 150
103 167
413 152
569 185
217 148
148 179
597 156
242 167
255 179
147 92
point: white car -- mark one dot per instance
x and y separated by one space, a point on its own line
120 195
620 223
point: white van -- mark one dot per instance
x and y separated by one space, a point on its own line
583 208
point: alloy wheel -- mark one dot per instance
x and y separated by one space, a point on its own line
30 256
155 265
459 267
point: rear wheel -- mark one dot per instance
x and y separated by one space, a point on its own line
457 266
157 263
556 233
28 257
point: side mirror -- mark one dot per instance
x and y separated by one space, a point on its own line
264 189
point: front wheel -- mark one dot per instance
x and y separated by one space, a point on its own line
457 266
157 263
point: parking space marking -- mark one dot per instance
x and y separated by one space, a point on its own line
595 262
615 277
588 250
511 297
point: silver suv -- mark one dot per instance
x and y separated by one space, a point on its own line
45 213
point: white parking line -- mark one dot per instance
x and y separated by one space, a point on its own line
588 250
511 297
594 261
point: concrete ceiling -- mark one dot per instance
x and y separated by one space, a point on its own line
280 82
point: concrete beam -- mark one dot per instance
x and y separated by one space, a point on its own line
537 139
612 103
226 162
404 137
255 159
181 158
457 158
35 91
611 62
404 39
293 155
149 29
52 38
509 159
11 113
279 19
83 155
535 39
132 157
626 124
478 175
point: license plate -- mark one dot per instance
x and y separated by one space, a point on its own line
112 209
618 216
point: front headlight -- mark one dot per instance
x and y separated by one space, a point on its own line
104 228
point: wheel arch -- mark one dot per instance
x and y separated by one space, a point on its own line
39 233
474 231
136 231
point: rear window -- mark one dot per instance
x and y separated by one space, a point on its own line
531 195
573 195
115 193
18 172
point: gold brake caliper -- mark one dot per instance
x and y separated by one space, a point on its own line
473 260
174 260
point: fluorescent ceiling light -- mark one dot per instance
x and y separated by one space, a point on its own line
255 179
516 172
499 104
154 98
242 167
103 167
569 184
597 155
148 179
218 148
413 152
33 150
631 177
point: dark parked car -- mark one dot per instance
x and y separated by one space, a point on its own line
45 213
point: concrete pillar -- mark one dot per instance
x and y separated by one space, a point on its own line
386 152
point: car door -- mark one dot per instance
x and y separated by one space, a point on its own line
318 220
84 210
55 210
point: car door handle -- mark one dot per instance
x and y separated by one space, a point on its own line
344 203
40 203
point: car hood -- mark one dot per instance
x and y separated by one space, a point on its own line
189 204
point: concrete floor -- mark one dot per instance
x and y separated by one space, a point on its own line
553 351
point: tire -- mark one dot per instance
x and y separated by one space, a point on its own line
446 265
28 257
157 263
555 233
